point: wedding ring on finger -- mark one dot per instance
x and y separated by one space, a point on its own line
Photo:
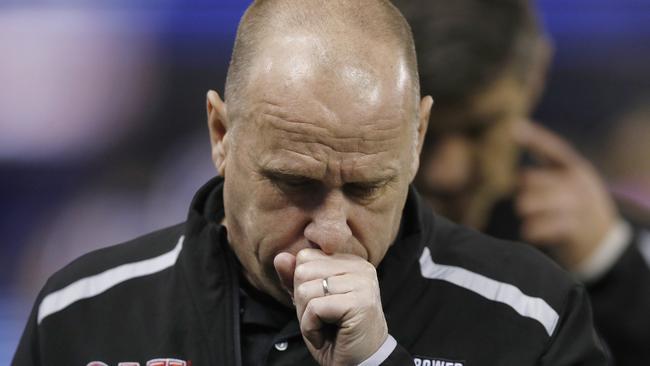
326 287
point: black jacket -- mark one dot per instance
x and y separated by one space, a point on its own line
448 293
620 298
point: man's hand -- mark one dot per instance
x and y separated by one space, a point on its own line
346 326
563 203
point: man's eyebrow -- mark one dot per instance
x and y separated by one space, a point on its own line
376 182
279 174
369 172
287 176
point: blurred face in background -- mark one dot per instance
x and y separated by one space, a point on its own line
472 157
319 156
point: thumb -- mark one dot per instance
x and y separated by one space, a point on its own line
285 265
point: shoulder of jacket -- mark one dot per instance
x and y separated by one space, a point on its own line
458 245
509 272
139 249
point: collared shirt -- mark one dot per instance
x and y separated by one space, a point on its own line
270 331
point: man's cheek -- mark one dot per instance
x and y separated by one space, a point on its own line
273 238
269 198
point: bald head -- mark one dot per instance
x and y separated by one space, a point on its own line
324 153
333 33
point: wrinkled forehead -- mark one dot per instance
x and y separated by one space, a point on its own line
314 111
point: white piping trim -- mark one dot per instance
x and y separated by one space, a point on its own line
382 353
607 253
527 306
94 285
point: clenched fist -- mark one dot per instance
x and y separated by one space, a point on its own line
337 303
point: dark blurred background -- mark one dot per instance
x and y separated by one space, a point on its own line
102 118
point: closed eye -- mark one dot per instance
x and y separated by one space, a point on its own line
289 181
364 191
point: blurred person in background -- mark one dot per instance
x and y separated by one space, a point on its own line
486 165
316 150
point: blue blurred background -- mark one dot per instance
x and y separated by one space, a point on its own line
102 118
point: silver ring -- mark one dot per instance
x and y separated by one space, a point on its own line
326 287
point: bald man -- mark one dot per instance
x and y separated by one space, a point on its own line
311 247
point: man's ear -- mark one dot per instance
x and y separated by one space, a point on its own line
218 125
422 124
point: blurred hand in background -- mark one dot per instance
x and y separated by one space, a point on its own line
562 201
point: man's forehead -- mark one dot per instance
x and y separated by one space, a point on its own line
305 65
309 119
321 114
319 139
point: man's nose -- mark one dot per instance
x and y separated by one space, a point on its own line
329 227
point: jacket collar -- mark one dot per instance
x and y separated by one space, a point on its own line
210 272
403 256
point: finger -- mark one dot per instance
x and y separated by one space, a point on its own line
546 145
542 200
546 229
285 266
329 267
312 254
532 204
309 290
534 179
320 312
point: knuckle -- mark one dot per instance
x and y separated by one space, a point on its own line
308 328
301 273
370 269
367 283
304 328
311 309
301 293
302 255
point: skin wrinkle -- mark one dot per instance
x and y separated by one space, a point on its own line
310 132
299 132
270 165
353 165
376 124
